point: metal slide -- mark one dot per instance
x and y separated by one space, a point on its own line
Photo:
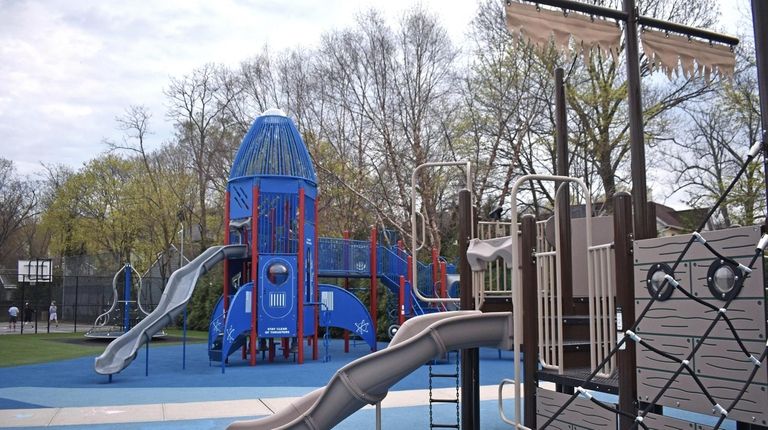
121 351
368 379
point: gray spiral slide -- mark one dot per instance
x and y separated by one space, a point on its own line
121 351
368 379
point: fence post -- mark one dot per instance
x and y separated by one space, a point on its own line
77 287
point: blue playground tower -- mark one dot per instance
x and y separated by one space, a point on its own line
273 295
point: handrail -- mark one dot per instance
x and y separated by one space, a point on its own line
114 301
516 275
415 275
423 233
502 415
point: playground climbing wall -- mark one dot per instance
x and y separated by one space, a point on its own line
677 324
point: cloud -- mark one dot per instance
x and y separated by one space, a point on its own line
67 69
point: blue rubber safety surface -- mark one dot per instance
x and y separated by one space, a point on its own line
73 383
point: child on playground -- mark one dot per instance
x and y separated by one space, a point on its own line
13 313
28 311
52 315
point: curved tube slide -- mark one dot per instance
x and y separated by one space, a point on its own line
121 351
368 379
480 252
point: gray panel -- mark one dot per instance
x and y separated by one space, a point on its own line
687 318
660 422
732 241
677 346
685 394
581 414
723 359
676 325
602 233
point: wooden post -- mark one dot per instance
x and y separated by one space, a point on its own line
625 305
374 284
650 223
470 358
760 27
635 101
564 201
530 316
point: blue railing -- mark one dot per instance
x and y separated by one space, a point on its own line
343 257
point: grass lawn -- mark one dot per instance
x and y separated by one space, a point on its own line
16 350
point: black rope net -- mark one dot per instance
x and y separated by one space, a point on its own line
721 314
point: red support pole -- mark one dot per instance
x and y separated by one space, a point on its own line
300 280
225 292
374 283
401 310
435 267
254 269
410 279
346 253
443 279
316 280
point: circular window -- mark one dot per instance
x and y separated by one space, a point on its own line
724 280
655 279
277 273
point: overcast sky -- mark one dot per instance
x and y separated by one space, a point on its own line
69 67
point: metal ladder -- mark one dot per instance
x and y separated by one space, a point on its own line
433 401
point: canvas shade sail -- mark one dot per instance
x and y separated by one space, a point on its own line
665 51
695 57
540 25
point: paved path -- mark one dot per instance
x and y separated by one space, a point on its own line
159 412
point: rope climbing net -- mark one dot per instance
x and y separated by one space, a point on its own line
668 285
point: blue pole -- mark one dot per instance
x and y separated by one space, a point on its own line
127 298
146 366
184 342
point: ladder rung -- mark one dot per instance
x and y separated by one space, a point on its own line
444 400
444 375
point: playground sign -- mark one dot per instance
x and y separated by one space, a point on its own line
34 271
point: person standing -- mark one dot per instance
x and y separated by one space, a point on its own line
52 315
28 311
13 314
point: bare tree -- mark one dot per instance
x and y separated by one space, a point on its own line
18 204
198 104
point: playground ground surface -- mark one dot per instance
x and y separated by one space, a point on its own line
68 394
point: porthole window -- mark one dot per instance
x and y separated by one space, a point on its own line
724 280
277 273
655 279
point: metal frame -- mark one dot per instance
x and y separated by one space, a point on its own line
414 247
516 275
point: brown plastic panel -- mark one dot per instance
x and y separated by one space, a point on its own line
677 324
581 414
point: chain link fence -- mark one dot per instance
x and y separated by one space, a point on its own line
80 300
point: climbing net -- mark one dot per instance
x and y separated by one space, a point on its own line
668 285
